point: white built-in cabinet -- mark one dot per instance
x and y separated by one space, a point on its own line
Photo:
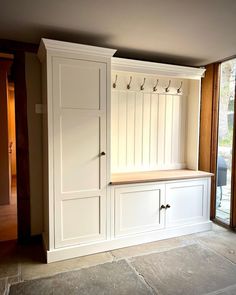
140 208
94 127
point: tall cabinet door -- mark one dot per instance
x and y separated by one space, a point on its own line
79 124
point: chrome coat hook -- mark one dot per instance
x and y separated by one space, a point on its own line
155 87
114 84
168 87
179 90
130 80
142 86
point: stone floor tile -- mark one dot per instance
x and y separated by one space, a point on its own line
13 280
217 228
187 270
159 246
231 290
8 268
2 286
116 278
223 243
32 269
8 259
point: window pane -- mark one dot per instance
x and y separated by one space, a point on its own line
225 140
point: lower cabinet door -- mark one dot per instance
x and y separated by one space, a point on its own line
138 209
186 202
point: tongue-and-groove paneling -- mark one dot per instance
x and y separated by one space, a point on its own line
148 131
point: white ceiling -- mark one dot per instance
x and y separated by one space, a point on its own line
188 32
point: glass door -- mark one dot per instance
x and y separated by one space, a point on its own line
224 190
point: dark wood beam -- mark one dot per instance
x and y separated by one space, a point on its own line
11 46
5 65
18 50
22 148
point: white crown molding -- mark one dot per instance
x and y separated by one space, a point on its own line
61 46
120 64
130 65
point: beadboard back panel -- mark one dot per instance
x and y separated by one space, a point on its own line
148 131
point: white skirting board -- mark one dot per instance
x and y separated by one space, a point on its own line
92 248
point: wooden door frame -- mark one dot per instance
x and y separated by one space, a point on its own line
214 135
208 149
18 49
5 66
208 142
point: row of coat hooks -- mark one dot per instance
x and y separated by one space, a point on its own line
167 88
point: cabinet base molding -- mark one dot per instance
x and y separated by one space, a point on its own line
92 248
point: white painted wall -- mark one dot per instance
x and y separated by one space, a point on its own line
33 85
193 119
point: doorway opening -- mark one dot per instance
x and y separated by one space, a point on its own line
8 173
226 147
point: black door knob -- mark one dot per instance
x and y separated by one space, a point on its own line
167 206
162 207
103 153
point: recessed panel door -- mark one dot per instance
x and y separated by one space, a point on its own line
138 209
79 102
186 202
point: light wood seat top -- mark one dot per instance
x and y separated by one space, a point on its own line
161 175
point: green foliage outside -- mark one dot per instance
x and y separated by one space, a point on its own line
227 140
226 106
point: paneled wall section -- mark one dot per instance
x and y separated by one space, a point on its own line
148 131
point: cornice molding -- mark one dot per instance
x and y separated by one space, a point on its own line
61 46
120 64
152 68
